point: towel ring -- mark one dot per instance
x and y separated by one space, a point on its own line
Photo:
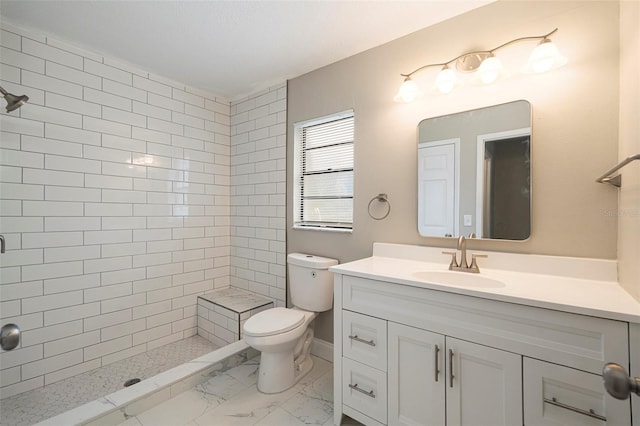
383 199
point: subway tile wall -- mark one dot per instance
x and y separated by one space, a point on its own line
115 204
258 193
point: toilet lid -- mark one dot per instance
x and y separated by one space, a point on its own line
273 321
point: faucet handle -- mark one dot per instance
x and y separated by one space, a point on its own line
474 263
454 260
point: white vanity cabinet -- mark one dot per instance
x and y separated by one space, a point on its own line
416 356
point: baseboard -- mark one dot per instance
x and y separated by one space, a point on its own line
322 349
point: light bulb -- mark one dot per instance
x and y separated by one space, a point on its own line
408 91
489 70
545 57
446 80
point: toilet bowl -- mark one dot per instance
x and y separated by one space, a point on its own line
284 335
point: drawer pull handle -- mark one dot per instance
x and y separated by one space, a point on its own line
590 413
366 342
451 376
356 388
435 355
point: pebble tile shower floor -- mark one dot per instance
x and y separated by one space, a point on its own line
39 404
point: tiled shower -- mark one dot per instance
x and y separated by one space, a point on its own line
124 196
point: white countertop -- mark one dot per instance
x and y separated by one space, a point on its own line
548 281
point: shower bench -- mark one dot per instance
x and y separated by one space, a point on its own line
222 313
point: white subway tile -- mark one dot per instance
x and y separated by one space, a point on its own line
51 177
65 373
189 98
152 160
169 293
120 330
164 246
125 66
163 197
124 302
51 301
51 270
122 276
9 73
71 343
107 347
49 84
106 71
65 103
104 126
113 223
22 257
63 193
125 144
198 112
20 356
69 134
152 185
164 318
116 196
187 120
187 143
123 117
151 334
165 150
53 332
107 237
11 157
55 162
124 249
10 308
51 146
124 90
20 290
120 355
65 73
204 135
151 136
79 282
151 234
160 270
8 276
10 174
186 278
108 182
151 259
103 98
151 86
52 208
151 210
9 123
107 320
51 364
121 169
164 126
18 59
152 284
64 254
10 40
165 102
9 377
21 191
71 224
51 53
151 309
151 111
188 256
164 222
107 292
107 264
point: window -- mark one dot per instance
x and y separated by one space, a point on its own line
323 176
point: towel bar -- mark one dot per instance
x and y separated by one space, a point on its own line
616 180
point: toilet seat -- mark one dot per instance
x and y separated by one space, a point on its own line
273 321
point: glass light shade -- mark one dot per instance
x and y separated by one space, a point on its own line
545 57
408 91
446 80
489 70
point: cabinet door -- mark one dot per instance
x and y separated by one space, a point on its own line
484 385
416 376
555 395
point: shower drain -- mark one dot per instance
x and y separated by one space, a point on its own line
131 382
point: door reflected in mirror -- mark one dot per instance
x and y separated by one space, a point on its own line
474 173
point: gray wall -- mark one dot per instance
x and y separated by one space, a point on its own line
575 128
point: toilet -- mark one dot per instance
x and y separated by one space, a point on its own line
284 335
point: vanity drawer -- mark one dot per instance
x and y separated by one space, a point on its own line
364 338
557 395
581 341
364 389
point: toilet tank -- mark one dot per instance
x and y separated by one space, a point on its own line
310 281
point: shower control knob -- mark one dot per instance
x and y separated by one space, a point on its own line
9 337
618 383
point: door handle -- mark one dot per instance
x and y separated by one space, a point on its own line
451 376
618 383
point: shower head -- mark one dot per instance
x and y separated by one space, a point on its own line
13 102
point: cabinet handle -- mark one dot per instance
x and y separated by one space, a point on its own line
356 388
589 413
366 342
451 376
437 351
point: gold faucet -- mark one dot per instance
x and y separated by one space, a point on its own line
463 266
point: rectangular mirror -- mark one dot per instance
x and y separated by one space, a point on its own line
474 173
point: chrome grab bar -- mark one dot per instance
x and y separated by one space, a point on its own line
356 388
616 180
590 413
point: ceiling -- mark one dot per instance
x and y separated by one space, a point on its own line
230 48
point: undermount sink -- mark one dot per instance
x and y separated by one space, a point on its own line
457 278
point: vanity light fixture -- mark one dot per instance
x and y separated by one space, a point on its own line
487 67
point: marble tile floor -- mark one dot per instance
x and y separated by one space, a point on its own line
232 399
39 404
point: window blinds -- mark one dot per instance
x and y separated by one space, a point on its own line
324 173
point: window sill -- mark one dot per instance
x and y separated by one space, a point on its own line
323 228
